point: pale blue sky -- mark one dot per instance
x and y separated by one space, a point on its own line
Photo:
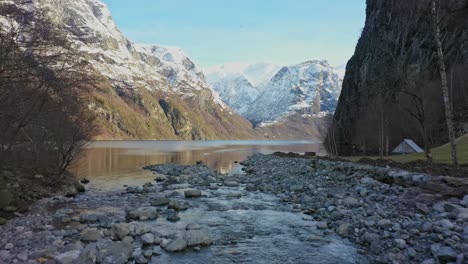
221 31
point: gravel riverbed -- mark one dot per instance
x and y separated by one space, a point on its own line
280 210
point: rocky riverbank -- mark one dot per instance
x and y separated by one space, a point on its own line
284 210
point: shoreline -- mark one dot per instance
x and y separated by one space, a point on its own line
387 215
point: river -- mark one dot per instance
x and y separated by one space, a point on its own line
111 164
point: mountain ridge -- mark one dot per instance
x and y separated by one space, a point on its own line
144 92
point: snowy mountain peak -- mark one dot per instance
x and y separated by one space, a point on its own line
307 88
256 73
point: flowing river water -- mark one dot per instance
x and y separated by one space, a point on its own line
252 228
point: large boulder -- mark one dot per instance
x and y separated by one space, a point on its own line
91 235
111 252
143 213
197 235
120 231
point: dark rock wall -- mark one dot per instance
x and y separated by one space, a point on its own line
394 63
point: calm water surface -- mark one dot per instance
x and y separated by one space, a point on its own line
112 164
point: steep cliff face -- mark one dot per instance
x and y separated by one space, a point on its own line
393 79
144 91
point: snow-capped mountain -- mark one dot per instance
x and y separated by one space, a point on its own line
307 88
236 91
256 73
147 91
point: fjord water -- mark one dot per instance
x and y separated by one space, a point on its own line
111 164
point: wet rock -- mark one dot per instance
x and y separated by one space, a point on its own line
400 243
446 224
422 208
198 237
3 221
9 246
351 202
160 201
322 225
344 230
231 184
143 213
251 187
384 223
68 257
91 235
173 218
157 250
176 244
89 218
121 230
141 229
110 252
464 201
23 256
192 193
446 254
5 255
147 239
411 252
178 205
235 195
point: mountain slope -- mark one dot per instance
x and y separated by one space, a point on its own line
144 92
306 89
394 74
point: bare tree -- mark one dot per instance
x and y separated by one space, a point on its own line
43 121
443 75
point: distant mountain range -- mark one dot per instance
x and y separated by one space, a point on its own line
157 92
268 93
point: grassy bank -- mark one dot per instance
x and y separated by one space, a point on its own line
440 154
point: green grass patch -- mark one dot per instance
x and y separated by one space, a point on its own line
440 154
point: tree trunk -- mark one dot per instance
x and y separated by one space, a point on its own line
445 91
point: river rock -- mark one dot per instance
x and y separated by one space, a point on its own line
235 195
446 254
384 222
121 230
91 235
198 237
322 225
251 187
464 201
160 201
111 252
400 243
68 257
231 184
351 202
3 221
147 239
446 224
178 205
192 193
176 244
143 213
344 230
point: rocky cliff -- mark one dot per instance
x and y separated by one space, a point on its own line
392 86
